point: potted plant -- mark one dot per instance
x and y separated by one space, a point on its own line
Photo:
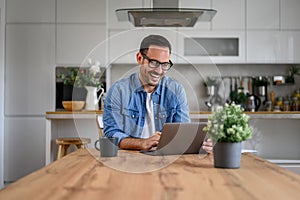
228 127
292 72
90 79
85 84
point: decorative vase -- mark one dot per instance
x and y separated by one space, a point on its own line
92 101
227 155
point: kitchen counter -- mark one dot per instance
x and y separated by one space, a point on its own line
194 115
85 175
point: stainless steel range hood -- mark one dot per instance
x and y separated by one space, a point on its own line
168 16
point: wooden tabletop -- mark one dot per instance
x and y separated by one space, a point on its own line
84 175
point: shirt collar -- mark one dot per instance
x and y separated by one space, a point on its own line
139 87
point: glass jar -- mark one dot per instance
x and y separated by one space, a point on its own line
279 103
295 104
277 108
286 106
269 106
297 94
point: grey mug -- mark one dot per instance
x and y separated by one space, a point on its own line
108 146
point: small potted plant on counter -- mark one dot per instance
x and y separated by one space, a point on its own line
292 72
228 127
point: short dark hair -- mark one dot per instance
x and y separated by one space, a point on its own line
157 40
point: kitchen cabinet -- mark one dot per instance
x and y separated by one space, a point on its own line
32 11
123 45
113 22
24 145
29 69
199 4
230 15
75 42
263 46
273 46
192 53
263 14
289 47
78 11
290 14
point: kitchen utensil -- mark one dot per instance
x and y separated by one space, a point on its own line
230 85
253 103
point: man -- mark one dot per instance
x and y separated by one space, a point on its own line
136 107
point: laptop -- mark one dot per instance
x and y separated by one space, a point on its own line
179 138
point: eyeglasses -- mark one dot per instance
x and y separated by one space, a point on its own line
155 63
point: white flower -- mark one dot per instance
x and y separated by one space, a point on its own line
94 69
90 61
94 66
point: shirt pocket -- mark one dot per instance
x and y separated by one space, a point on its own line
131 120
166 116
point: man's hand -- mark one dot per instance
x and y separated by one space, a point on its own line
208 146
140 144
152 141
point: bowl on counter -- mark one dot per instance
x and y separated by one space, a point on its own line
73 105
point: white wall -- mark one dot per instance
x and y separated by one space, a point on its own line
2 17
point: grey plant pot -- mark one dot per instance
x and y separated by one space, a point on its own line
227 155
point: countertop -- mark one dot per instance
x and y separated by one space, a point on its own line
84 175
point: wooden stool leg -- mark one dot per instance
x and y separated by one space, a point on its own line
60 152
65 149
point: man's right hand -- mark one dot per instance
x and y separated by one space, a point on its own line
140 143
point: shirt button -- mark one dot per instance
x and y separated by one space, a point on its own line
155 117
132 116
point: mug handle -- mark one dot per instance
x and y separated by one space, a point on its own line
97 141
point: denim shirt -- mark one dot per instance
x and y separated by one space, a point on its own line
125 106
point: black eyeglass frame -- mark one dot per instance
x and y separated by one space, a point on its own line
156 63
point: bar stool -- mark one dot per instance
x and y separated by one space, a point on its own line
99 122
64 144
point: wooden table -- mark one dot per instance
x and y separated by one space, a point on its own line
81 175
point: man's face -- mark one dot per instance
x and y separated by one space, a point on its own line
151 76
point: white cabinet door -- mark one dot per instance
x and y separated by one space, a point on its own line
273 46
113 22
192 57
263 14
199 4
79 11
263 46
123 45
30 60
290 14
289 47
30 11
24 146
76 41
230 15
